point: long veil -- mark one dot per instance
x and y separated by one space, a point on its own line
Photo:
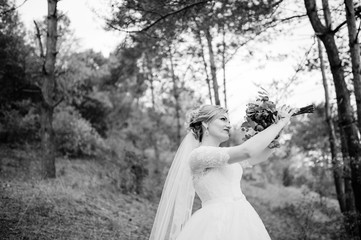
175 206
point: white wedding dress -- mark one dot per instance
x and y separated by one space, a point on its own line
225 212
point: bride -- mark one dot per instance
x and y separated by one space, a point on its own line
214 173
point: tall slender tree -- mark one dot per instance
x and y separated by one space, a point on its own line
48 91
346 122
355 55
175 94
336 162
199 38
224 66
212 62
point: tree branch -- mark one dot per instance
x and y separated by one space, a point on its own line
248 40
299 68
58 102
173 13
316 23
292 17
42 55
13 8
343 23
38 36
326 13
358 31
119 29
339 27
163 17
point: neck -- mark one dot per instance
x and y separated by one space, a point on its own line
208 141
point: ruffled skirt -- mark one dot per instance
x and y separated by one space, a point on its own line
225 219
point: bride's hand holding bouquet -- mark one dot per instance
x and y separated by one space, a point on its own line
262 113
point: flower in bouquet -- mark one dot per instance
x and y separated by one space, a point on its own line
262 113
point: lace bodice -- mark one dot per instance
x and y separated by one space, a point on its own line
212 176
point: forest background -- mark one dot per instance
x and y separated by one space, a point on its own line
87 138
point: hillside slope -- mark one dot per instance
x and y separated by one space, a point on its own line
82 204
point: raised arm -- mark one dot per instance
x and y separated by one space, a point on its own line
255 147
263 156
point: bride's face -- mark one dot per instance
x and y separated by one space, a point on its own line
220 127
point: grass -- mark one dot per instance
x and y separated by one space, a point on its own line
79 204
40 212
294 213
82 203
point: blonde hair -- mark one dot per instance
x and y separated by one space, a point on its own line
206 114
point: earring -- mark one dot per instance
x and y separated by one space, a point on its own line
207 133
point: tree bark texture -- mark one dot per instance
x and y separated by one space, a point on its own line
355 55
205 65
150 78
176 97
213 66
346 122
156 167
48 92
336 162
224 66
351 212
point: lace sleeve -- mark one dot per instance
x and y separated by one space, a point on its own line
208 157
245 164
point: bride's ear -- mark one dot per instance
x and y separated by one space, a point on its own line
205 125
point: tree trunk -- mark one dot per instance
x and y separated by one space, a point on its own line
205 65
150 78
351 212
156 167
336 162
47 142
224 66
346 120
176 97
355 55
48 89
213 66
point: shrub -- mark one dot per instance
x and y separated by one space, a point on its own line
312 218
75 136
130 173
19 123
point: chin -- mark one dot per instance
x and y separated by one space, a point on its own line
224 139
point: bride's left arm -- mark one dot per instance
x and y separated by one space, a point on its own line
261 157
255 159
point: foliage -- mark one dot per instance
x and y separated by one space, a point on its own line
13 56
75 136
312 218
310 135
140 15
83 74
303 158
19 123
178 28
132 172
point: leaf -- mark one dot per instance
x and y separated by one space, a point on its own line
245 125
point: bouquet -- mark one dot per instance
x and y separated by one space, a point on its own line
262 113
